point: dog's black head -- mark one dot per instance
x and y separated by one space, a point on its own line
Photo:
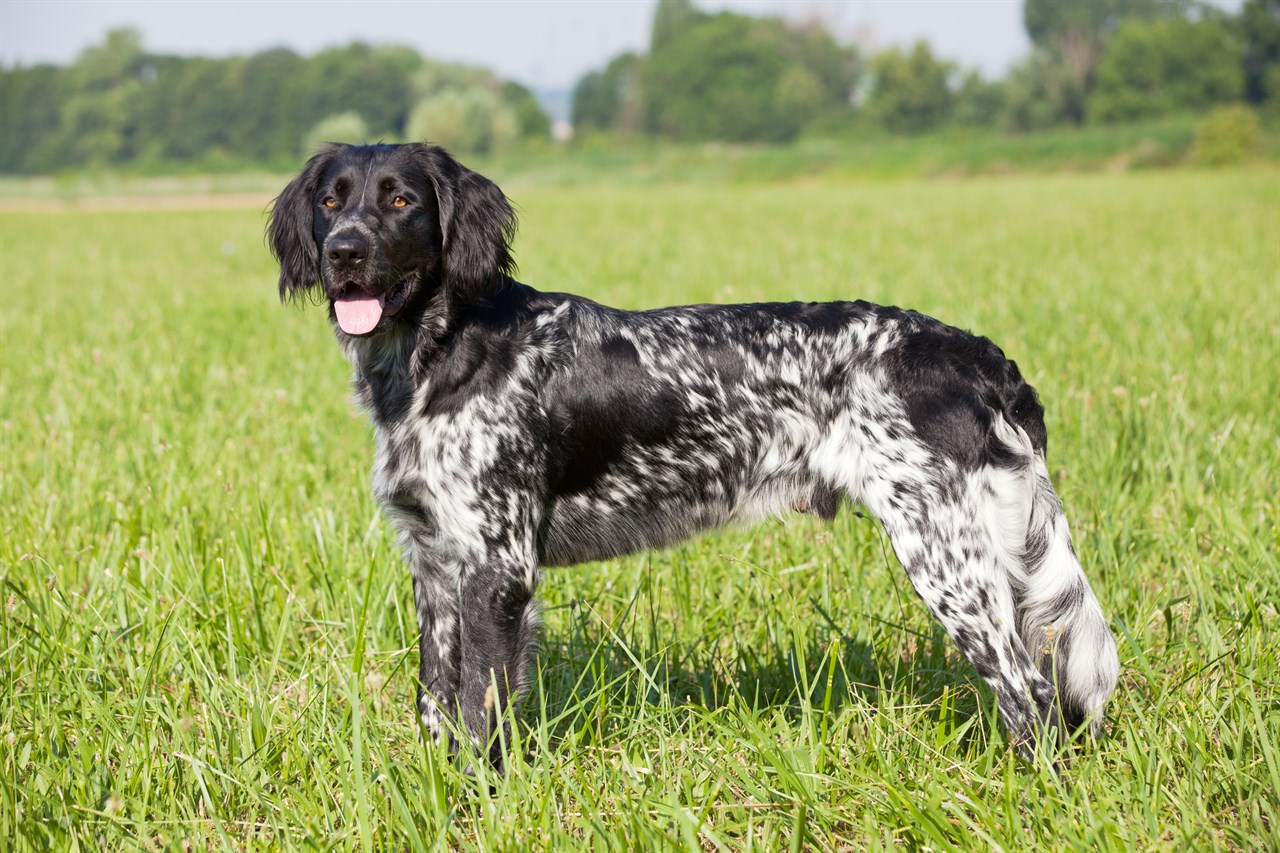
382 230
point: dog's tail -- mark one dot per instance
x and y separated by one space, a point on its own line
1059 618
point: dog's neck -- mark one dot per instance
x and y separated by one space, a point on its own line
393 367
388 369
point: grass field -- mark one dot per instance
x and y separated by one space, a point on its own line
207 638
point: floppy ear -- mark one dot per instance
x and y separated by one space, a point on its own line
290 228
477 224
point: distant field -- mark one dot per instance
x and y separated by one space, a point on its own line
207 635
591 161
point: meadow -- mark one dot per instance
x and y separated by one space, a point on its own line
207 637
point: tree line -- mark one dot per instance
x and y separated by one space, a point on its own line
706 76
120 104
726 76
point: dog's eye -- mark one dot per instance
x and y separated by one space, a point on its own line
329 201
399 201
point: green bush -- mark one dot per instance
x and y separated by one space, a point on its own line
980 103
1226 136
1042 92
911 91
341 127
466 121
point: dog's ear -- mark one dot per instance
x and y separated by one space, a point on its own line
290 228
476 222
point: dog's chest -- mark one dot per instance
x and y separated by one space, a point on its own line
398 482
434 477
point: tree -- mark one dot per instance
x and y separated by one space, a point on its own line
612 99
271 114
742 79
1156 67
119 104
95 117
31 104
1076 30
154 106
375 81
531 121
1260 21
203 110
592 106
670 19
1073 34
980 103
716 80
1042 92
119 59
910 92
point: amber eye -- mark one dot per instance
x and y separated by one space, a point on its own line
399 201
329 201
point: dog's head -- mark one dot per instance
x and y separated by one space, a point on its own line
381 230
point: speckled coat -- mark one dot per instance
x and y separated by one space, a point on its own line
518 429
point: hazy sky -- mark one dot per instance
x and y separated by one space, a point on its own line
547 44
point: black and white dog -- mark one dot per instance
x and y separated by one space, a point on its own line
518 429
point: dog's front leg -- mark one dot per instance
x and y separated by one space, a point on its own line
435 597
498 631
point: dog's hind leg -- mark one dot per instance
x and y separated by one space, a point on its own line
988 551
941 518
942 543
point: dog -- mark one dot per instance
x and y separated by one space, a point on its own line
518 429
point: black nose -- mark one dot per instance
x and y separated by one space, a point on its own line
347 249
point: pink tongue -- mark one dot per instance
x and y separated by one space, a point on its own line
357 315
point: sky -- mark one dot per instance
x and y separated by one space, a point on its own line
544 44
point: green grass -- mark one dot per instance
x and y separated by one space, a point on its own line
207 636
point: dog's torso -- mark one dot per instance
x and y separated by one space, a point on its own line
604 431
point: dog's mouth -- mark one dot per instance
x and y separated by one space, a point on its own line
360 312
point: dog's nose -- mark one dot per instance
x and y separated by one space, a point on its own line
347 249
